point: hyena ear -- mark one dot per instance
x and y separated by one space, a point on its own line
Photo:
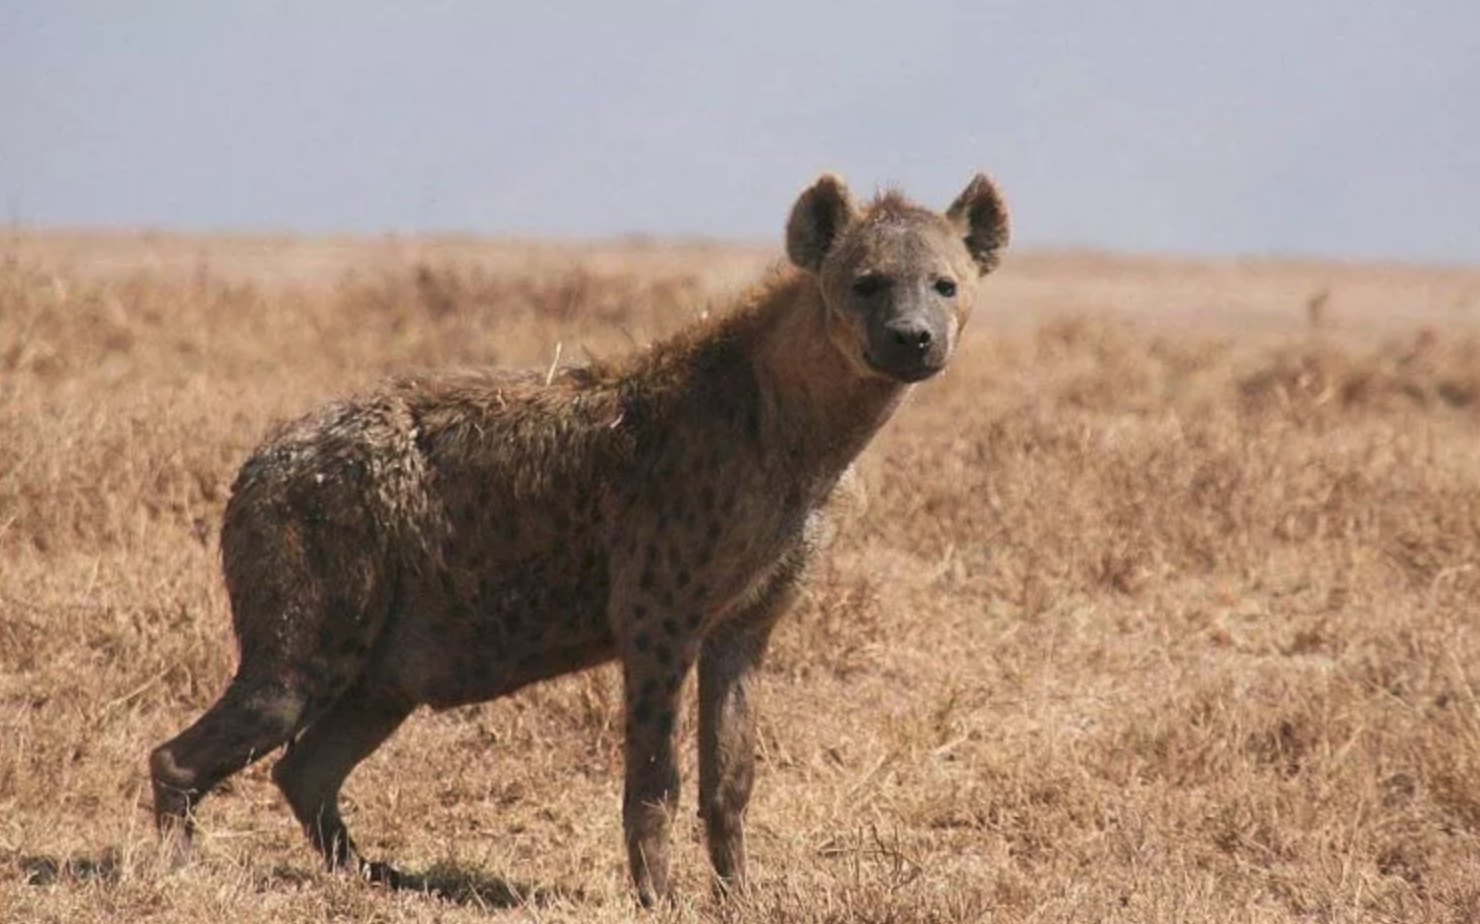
981 217
818 219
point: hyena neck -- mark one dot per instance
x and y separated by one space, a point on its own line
817 408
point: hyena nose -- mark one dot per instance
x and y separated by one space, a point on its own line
910 335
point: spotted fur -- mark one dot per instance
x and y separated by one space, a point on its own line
452 538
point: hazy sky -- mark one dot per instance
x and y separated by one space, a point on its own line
1336 127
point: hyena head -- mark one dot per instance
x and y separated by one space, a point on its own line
897 279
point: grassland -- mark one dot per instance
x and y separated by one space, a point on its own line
1165 606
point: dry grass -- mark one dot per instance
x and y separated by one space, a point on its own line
1163 609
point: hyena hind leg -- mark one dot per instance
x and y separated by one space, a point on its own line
315 767
254 716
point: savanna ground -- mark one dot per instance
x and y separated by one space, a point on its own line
1164 606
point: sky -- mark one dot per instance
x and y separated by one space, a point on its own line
1339 128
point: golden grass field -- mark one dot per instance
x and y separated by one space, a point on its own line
1165 606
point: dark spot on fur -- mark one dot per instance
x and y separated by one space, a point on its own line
483 671
671 685
642 642
670 626
712 531
664 654
650 688
639 613
700 591
530 660
642 713
665 722
682 578
694 618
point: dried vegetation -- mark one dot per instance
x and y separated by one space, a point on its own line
1164 606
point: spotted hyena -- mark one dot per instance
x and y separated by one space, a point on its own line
452 538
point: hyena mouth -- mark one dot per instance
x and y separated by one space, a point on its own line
906 369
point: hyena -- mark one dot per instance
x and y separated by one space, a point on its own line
449 539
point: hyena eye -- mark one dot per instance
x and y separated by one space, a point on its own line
945 287
868 285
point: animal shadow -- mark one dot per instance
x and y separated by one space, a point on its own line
41 870
463 886
444 881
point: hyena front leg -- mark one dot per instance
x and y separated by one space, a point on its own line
655 658
727 667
